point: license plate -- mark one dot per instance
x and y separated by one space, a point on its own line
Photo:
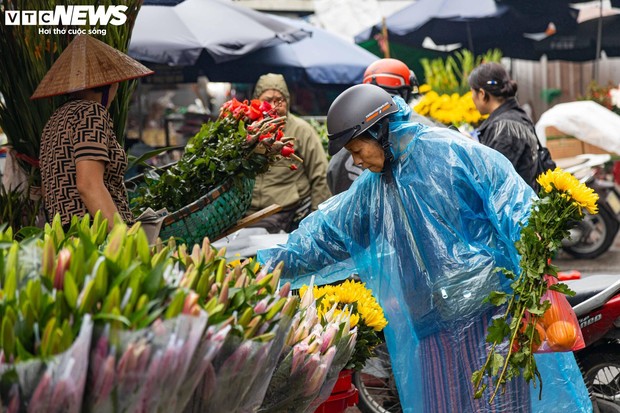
613 201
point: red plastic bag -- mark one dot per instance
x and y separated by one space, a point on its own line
558 328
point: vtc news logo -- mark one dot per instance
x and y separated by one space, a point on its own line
68 16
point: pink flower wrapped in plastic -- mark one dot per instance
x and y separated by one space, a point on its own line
142 371
237 378
312 352
48 385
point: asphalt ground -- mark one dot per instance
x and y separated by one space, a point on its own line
607 263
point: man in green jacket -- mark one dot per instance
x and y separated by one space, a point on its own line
300 191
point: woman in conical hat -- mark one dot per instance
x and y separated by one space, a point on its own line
82 164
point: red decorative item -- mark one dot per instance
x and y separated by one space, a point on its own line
343 395
616 172
569 275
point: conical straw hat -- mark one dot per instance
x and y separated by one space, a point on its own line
87 63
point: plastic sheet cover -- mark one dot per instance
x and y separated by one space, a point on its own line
585 120
53 385
427 241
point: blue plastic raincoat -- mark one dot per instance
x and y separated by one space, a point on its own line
427 242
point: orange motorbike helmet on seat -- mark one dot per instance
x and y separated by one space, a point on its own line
393 76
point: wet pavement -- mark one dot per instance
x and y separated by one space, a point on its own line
608 263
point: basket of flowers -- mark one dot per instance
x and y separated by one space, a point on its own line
210 188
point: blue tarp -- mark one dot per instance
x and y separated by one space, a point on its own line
427 243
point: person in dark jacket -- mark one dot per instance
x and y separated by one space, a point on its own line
508 129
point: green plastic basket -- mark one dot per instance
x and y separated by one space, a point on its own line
211 214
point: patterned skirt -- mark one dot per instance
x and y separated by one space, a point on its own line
449 358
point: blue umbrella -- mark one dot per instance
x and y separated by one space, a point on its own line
320 58
177 33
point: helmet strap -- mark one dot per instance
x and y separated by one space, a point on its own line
105 95
383 138
405 93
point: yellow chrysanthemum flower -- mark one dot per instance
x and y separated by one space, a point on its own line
347 293
570 188
425 88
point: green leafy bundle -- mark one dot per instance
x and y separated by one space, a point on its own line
244 141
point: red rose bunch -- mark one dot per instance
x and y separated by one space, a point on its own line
265 128
245 140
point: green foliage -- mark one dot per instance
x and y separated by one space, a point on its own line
17 210
450 75
365 345
321 130
243 142
601 95
213 155
561 202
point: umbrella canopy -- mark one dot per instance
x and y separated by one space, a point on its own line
467 22
177 34
580 44
320 58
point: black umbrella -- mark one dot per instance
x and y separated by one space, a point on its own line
469 22
583 44
176 33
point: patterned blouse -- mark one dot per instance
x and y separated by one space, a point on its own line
77 131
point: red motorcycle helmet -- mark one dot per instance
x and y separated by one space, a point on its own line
392 75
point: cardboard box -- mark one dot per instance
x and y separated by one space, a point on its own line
588 148
562 145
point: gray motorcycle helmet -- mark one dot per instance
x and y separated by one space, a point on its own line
355 111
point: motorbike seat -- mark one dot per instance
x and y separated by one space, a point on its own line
588 287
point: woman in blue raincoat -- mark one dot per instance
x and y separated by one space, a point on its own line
425 227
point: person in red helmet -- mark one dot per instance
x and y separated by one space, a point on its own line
397 79
393 76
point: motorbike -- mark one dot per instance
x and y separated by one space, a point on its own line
597 306
595 233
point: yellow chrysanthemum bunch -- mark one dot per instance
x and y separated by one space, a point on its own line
350 294
570 189
561 203
365 314
451 109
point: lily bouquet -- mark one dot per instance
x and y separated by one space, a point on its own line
515 336
141 343
43 348
259 313
244 141
365 312
367 318
316 344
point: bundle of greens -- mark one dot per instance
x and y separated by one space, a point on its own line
243 142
